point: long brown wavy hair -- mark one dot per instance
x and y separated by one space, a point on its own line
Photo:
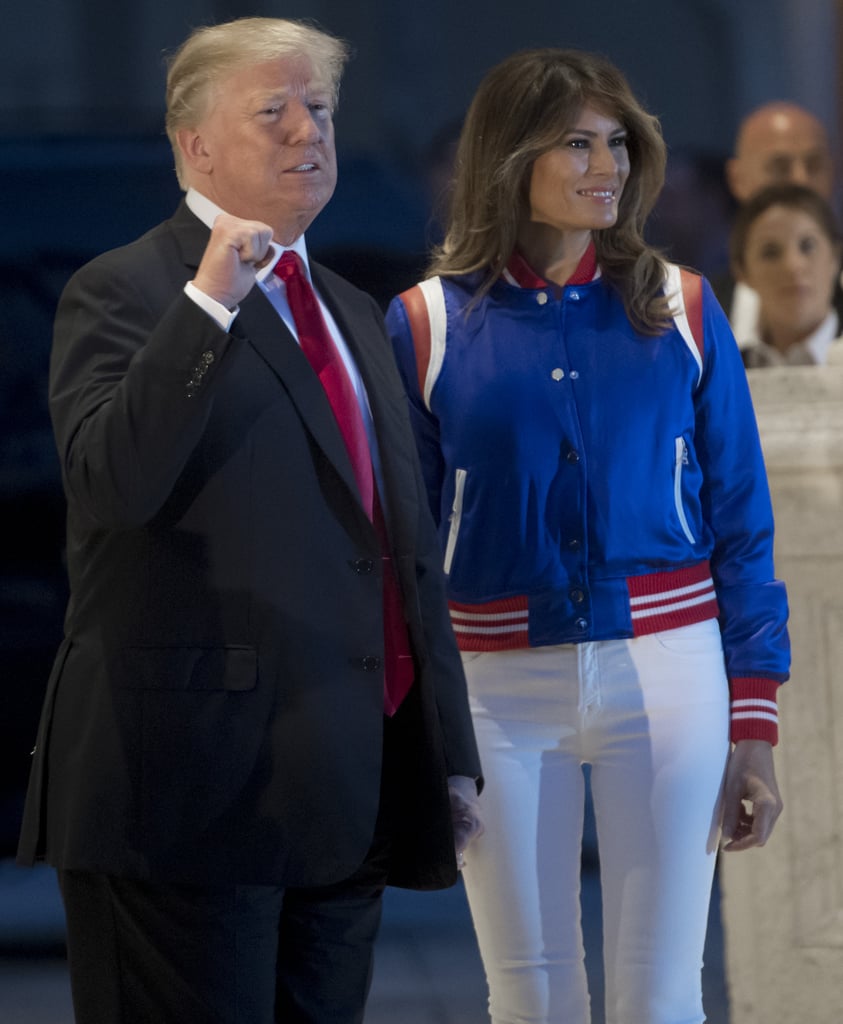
523 107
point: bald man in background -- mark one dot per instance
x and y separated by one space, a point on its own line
780 143
777 143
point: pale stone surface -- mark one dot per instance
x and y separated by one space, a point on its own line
783 905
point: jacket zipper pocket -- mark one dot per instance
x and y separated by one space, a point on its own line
681 459
455 517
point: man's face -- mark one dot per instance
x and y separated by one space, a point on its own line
265 150
781 146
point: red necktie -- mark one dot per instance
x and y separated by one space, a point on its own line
317 345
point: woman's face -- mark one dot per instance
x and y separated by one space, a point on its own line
792 264
577 185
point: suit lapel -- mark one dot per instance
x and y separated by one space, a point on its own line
260 326
387 401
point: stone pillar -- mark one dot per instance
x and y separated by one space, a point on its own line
783 904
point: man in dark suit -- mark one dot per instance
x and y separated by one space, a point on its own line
220 778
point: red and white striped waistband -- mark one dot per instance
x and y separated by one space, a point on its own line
668 600
493 626
657 601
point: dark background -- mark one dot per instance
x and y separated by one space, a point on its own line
85 166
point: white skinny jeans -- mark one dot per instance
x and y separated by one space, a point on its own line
651 717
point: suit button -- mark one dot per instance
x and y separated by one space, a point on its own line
573 456
363 566
582 625
370 663
577 595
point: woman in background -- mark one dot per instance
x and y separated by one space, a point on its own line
604 515
785 244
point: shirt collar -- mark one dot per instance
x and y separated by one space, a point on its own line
519 272
819 342
207 211
811 350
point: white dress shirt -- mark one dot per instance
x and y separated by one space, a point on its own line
743 316
276 292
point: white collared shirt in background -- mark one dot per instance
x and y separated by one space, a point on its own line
811 351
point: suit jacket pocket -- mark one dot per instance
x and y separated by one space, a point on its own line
233 668
202 721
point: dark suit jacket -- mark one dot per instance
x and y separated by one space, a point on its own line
215 711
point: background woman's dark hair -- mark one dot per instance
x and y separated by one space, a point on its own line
792 197
523 108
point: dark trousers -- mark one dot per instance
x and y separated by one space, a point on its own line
144 953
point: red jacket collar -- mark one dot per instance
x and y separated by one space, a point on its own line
525 277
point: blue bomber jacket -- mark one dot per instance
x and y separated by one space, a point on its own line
590 482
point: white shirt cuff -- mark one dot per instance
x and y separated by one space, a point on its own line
222 314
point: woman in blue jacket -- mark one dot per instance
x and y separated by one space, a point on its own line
594 468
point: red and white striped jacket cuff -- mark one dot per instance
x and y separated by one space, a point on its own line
754 711
494 626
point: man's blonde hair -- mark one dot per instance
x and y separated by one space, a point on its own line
211 53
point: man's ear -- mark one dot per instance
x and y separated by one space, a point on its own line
733 178
191 143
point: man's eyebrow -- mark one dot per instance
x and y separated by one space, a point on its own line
264 96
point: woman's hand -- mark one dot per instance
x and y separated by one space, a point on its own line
752 802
